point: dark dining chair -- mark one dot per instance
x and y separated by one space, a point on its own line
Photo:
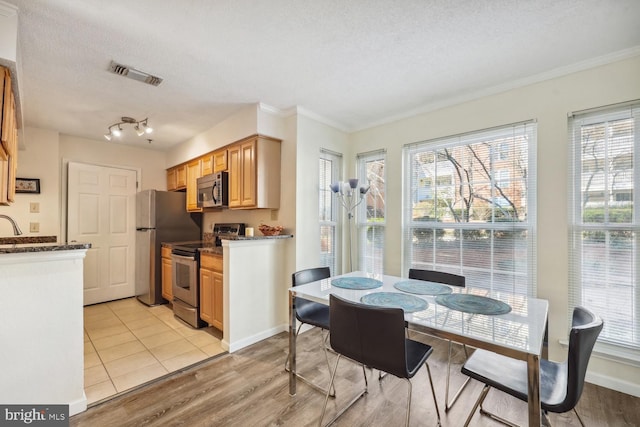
451 280
561 383
375 337
311 313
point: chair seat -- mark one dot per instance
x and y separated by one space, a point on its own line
417 355
510 375
312 313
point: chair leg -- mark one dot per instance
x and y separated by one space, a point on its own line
343 410
577 415
494 416
481 398
433 392
447 405
406 423
331 389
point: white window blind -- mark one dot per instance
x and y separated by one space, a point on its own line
330 242
469 207
371 213
604 221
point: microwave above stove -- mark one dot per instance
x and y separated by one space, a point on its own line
213 190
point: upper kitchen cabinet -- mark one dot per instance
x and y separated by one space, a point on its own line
8 139
254 173
220 161
177 178
207 164
194 171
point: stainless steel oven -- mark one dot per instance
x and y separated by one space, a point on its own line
185 262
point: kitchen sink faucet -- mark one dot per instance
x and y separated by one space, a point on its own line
16 229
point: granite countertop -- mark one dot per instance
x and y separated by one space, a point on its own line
12 245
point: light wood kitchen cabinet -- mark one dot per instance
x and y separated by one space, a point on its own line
167 277
177 178
194 171
8 139
220 161
171 179
254 173
211 290
207 164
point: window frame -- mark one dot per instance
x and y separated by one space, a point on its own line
333 260
362 220
528 129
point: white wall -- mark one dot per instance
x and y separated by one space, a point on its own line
38 160
547 102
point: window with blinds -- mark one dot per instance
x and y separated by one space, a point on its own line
329 171
604 222
469 207
371 213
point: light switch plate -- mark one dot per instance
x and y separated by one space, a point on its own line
34 227
34 207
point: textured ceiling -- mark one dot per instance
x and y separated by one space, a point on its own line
355 63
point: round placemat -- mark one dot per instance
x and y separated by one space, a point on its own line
408 303
421 287
358 283
475 304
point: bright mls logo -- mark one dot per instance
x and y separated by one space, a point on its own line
36 415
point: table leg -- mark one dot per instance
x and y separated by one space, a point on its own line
292 344
533 389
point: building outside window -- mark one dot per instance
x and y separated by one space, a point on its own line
469 207
330 165
371 213
605 223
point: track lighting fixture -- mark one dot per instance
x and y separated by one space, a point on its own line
141 127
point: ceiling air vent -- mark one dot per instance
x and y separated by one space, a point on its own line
132 73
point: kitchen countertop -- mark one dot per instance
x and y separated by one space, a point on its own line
18 244
209 247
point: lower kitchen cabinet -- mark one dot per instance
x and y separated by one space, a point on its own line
211 290
167 277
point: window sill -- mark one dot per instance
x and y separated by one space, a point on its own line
613 353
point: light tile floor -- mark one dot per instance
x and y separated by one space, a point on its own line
127 344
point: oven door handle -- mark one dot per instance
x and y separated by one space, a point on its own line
182 257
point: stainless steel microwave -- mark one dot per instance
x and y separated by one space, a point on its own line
213 190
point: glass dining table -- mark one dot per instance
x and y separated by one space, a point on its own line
510 324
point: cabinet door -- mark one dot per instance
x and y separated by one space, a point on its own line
235 172
206 295
207 164
248 174
220 161
167 279
218 304
193 173
171 180
181 177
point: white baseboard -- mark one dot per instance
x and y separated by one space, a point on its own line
613 383
245 342
78 406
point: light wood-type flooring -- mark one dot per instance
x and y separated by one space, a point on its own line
250 388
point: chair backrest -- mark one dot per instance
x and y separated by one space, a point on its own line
585 328
373 336
310 275
304 306
438 277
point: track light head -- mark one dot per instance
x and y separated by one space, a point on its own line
141 127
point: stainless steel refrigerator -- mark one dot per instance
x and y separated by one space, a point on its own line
161 216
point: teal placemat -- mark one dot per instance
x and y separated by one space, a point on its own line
475 304
421 287
408 303
358 283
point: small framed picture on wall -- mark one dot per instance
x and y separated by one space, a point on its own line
28 185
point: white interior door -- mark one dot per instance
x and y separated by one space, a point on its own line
101 211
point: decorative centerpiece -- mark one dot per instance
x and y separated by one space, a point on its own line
268 230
